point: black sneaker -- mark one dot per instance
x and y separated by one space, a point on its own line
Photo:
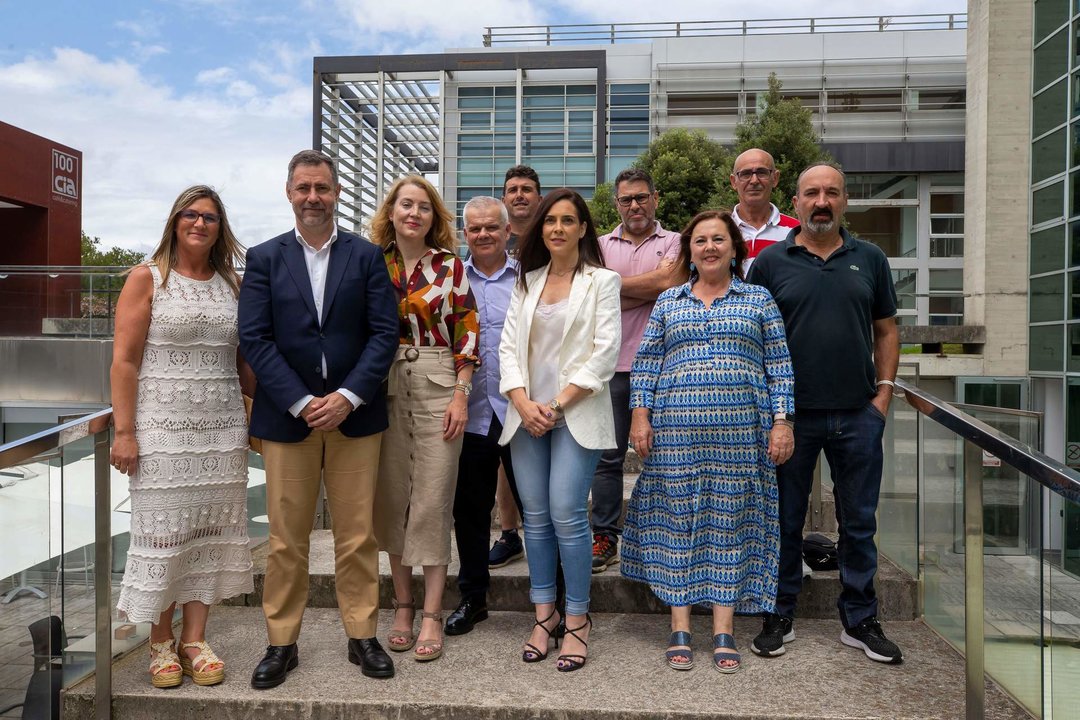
605 552
775 631
870 638
506 549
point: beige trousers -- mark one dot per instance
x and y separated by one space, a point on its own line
347 466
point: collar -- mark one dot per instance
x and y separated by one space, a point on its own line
511 265
790 244
774 216
306 245
737 286
617 233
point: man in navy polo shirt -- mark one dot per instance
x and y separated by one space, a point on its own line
837 298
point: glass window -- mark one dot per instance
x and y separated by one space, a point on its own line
864 101
1074 183
1074 365
694 104
894 187
938 99
1048 156
1051 60
1048 109
905 280
893 229
1074 295
947 203
476 119
1048 249
1047 203
1047 298
1047 349
1049 15
946 297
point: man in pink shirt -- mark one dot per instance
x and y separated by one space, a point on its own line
761 223
644 254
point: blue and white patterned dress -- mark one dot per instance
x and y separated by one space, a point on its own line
702 525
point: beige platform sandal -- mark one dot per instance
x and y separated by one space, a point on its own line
165 668
200 667
434 647
402 640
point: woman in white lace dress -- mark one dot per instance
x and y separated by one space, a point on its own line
181 434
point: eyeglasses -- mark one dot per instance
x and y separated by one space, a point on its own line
627 200
761 173
192 216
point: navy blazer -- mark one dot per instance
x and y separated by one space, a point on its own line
283 341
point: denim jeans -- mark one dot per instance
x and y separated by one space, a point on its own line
607 491
851 440
554 475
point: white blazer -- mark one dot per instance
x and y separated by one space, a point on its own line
590 350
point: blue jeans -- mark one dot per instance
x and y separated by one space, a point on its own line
851 440
554 475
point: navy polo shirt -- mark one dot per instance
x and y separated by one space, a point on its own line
829 307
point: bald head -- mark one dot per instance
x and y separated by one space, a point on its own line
754 176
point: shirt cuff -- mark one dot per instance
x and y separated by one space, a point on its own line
351 397
300 404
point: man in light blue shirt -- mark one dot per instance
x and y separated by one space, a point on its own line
492 274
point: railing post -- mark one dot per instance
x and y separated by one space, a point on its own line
973 582
811 24
612 33
102 578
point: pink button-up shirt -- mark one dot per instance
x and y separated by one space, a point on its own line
628 260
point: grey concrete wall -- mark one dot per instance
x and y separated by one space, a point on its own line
996 180
54 370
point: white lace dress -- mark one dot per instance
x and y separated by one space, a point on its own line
189 536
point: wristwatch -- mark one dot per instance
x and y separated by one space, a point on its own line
465 388
790 417
556 405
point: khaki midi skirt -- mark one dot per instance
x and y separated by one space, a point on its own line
414 497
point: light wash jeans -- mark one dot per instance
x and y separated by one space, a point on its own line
554 475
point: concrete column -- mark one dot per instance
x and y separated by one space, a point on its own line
997 180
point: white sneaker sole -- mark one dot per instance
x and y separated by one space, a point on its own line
855 643
789 637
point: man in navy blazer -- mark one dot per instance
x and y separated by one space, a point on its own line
318 324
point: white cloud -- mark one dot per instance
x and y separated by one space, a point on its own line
217 76
143 143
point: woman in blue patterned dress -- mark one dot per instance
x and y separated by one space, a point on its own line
711 388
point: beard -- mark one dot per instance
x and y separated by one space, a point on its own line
821 227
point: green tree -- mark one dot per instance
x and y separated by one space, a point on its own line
684 165
93 254
100 290
602 208
783 128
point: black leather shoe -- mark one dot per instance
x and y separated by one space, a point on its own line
275 665
372 659
468 613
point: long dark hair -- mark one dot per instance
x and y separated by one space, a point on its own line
533 254
741 251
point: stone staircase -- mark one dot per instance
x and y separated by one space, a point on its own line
481 676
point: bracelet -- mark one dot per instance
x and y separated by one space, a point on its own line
465 388
890 383
782 421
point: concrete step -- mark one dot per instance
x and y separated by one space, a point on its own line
481 677
611 593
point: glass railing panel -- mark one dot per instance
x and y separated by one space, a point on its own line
59 301
1061 623
898 506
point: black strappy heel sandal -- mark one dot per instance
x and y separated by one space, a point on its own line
575 662
531 653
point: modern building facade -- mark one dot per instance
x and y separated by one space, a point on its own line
578 105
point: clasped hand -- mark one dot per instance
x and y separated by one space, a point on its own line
536 418
326 413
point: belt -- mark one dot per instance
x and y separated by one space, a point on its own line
412 354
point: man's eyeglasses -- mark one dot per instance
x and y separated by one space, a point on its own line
208 218
761 173
627 200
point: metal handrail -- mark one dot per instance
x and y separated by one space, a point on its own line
94 425
611 33
1048 472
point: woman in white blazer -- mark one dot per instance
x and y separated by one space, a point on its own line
559 346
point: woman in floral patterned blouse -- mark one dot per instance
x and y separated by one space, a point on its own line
429 384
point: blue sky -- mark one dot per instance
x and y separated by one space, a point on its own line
161 94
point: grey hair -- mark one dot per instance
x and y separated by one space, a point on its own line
482 202
311 157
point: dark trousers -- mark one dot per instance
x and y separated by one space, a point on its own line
607 489
851 440
478 475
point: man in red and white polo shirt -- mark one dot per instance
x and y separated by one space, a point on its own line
761 223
